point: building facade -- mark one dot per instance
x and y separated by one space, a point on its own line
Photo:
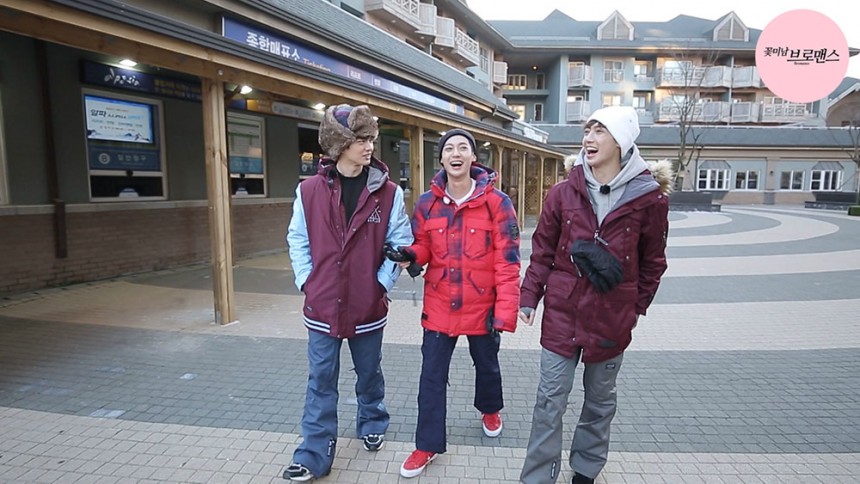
147 134
688 78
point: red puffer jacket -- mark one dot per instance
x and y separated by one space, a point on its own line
473 255
575 314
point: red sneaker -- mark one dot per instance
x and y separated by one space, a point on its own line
492 423
416 462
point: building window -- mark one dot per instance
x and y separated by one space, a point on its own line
713 179
245 151
485 60
642 71
746 180
540 81
611 99
641 101
826 180
309 150
516 82
613 71
538 112
520 109
791 180
125 151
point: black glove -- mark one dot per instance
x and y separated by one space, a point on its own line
602 268
403 254
491 330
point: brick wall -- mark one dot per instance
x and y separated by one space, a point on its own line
109 243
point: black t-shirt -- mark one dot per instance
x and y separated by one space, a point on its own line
351 191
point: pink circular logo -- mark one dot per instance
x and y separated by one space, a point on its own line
802 56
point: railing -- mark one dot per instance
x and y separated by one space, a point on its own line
500 72
744 112
578 110
746 77
466 46
715 112
785 112
406 10
445 31
427 15
579 76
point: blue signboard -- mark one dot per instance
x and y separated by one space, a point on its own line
122 158
298 52
105 75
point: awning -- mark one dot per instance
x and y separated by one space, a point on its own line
715 165
828 166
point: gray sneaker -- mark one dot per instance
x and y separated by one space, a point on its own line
298 473
373 442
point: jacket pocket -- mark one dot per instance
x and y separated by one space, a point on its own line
434 276
478 238
437 232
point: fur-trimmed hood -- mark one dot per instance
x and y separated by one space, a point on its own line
661 170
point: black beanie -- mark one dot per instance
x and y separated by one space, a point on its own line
457 132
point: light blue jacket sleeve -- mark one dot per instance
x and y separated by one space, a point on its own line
399 233
298 241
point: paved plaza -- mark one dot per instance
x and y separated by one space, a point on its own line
745 370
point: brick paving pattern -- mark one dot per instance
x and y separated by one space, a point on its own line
743 371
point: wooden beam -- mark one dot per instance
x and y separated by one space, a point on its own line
416 164
499 151
48 21
521 193
540 185
218 192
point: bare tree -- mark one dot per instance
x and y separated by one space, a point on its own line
688 73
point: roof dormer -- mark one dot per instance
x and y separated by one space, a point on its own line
616 27
730 28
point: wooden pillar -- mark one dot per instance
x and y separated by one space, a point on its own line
218 194
541 183
416 165
521 192
499 151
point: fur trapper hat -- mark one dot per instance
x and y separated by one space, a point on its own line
344 124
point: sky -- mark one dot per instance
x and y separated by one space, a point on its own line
754 14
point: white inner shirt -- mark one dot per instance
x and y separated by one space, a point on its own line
465 197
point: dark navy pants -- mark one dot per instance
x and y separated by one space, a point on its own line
432 388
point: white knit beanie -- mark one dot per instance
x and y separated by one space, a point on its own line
622 123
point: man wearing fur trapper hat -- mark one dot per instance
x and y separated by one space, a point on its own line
598 253
342 218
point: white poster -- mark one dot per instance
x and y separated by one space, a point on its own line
116 120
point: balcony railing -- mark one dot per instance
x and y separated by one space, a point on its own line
466 47
713 76
715 112
579 76
746 77
404 10
500 72
578 111
445 31
784 113
744 112
427 15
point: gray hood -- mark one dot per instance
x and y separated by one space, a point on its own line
602 203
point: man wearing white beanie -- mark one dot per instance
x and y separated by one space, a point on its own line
598 253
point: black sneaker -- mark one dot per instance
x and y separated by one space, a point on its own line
298 473
580 479
373 442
